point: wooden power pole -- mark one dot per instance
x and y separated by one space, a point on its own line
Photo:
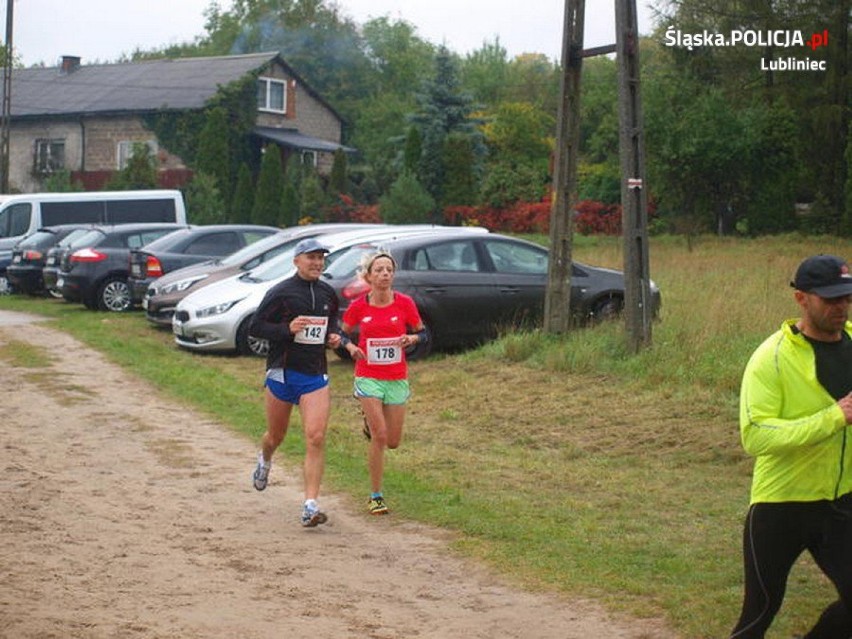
5 118
557 297
634 199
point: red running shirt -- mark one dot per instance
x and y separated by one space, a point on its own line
377 327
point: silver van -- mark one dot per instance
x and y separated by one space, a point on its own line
25 213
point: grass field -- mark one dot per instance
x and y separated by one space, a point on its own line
563 462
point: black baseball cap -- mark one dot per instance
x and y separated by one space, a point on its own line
823 275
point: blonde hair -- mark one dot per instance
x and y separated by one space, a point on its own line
368 259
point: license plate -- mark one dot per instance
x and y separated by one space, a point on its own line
16 259
60 282
177 329
51 261
144 303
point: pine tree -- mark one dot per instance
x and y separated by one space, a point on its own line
338 180
267 201
243 200
213 156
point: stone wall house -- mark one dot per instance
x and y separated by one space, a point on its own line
87 119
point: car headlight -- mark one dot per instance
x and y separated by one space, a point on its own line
217 309
180 285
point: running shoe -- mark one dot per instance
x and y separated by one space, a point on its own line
261 473
312 516
378 506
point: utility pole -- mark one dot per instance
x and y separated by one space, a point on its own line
557 297
7 102
634 199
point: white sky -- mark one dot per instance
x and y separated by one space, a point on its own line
101 30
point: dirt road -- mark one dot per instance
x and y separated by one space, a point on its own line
122 515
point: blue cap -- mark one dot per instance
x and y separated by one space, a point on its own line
309 245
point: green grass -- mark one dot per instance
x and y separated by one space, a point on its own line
563 462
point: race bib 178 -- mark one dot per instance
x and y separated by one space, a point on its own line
383 351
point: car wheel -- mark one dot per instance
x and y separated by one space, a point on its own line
606 308
114 295
5 285
249 345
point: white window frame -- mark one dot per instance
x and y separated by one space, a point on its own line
49 155
264 95
309 158
124 151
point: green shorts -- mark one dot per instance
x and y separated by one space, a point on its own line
388 391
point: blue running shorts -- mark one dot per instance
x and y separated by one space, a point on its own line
290 385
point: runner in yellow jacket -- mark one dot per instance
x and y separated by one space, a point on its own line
795 411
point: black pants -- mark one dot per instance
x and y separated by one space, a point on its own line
775 536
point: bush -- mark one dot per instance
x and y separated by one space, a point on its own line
407 202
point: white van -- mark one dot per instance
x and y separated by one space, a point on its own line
23 214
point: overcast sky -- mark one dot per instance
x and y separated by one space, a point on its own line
101 30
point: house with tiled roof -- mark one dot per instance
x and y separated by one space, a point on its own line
88 119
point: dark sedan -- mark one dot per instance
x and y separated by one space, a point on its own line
29 256
164 293
469 287
95 268
186 247
53 260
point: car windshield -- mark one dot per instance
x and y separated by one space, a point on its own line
69 239
37 239
268 247
274 269
344 264
89 237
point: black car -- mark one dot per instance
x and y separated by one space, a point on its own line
187 247
26 271
53 259
94 269
470 286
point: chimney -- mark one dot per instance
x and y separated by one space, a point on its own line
70 63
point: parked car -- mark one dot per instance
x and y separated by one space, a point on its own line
94 270
53 259
164 293
186 247
216 318
469 287
25 272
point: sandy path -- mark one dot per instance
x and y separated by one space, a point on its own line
124 516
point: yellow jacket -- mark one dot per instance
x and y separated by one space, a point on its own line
792 425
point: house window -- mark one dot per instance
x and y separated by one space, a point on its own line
309 158
126 149
49 156
271 95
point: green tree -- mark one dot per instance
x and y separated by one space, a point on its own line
243 200
213 157
460 185
61 182
485 73
407 202
270 184
140 172
203 201
338 181
313 198
412 151
444 109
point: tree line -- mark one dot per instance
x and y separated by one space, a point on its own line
734 143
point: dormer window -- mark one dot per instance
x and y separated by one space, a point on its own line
271 95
